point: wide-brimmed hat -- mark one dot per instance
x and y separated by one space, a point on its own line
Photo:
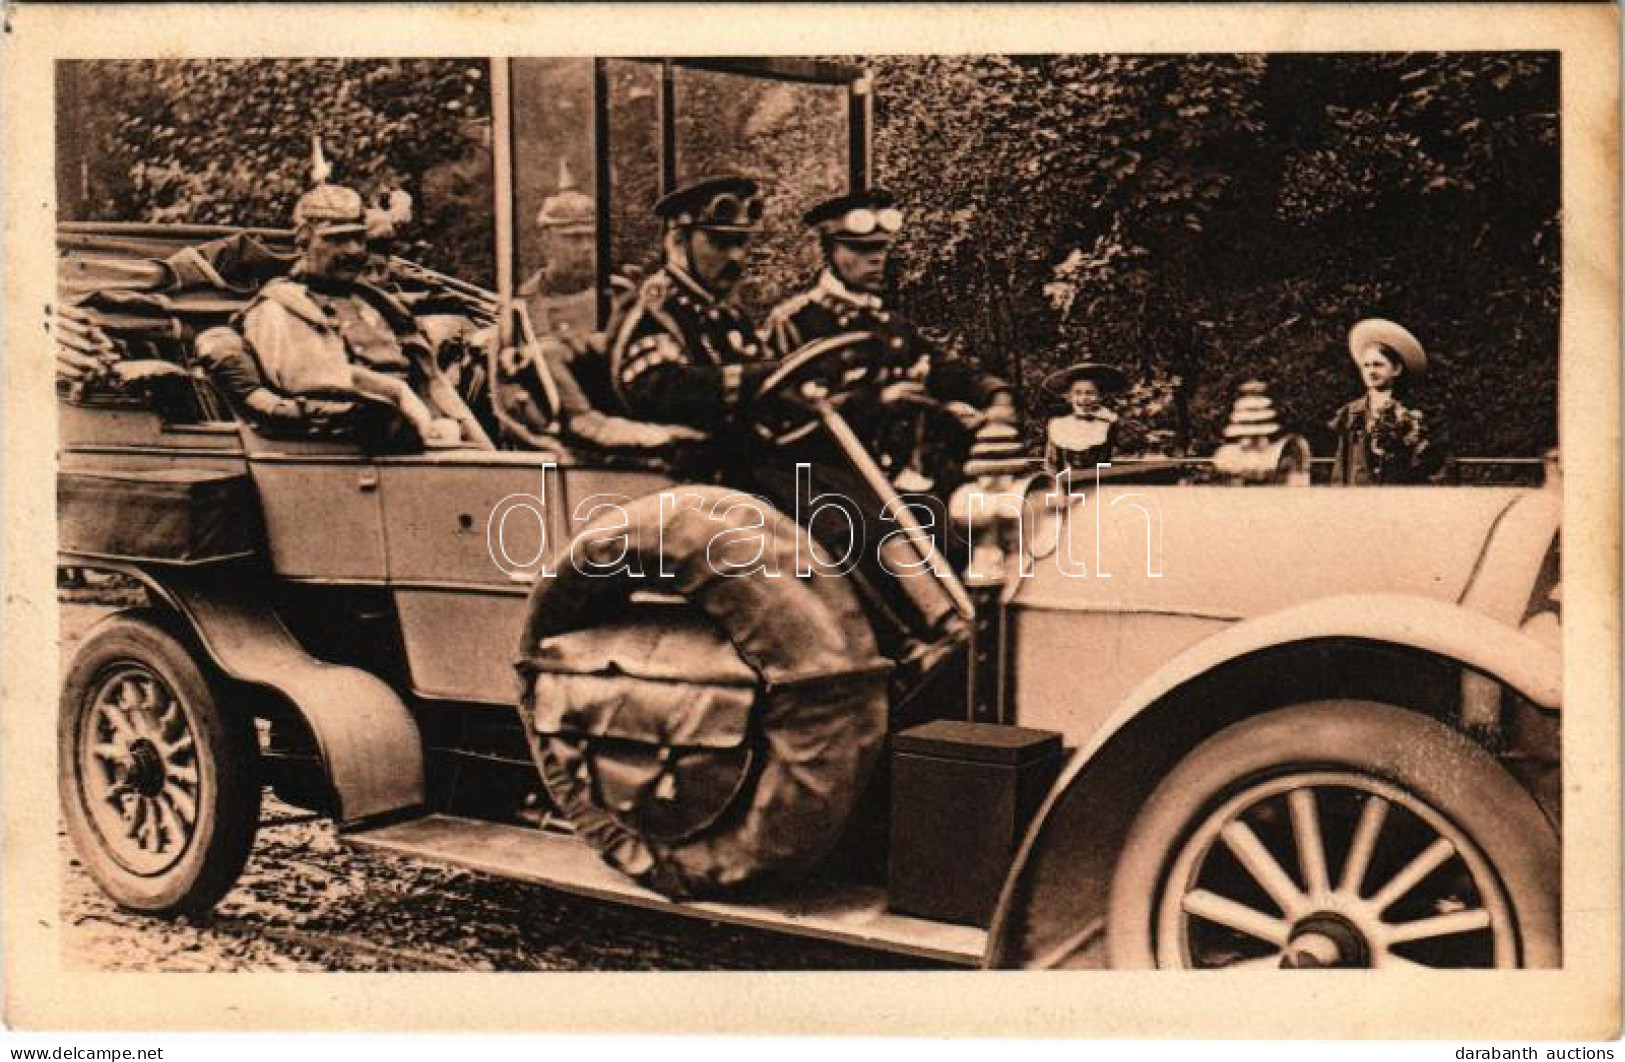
1374 331
1106 377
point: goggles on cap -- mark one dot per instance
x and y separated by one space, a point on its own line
864 222
727 209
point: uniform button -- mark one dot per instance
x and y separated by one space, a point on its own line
882 316
895 343
713 315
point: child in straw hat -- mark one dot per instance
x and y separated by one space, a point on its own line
1380 440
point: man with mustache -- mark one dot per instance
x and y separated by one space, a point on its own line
682 354
561 294
323 330
855 234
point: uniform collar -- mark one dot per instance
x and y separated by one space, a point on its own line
831 285
691 287
294 294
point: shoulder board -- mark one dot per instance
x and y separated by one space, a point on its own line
791 306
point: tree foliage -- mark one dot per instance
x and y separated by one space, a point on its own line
1203 220
1198 219
229 142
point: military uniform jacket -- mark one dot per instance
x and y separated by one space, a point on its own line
306 340
830 308
680 356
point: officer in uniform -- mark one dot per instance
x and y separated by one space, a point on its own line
308 329
560 295
682 354
855 234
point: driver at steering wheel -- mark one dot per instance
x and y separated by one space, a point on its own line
682 353
855 234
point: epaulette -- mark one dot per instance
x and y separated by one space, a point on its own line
828 301
790 307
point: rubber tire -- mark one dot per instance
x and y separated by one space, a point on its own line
1424 757
228 770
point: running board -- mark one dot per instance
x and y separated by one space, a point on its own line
855 915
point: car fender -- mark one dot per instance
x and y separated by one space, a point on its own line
368 740
1483 644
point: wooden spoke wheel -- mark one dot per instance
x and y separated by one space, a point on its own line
1342 834
159 787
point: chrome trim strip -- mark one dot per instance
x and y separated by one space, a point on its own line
1114 608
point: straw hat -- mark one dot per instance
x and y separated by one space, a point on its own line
1107 377
1374 331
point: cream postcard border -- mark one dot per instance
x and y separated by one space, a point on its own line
1581 1001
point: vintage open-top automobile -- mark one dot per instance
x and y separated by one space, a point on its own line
1303 726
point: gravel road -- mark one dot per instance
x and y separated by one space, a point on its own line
310 903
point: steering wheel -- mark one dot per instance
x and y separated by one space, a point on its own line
828 367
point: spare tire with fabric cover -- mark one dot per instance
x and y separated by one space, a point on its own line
703 746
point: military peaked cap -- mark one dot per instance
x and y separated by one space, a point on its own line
727 204
869 216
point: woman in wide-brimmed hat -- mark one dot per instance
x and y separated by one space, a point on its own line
1085 436
1379 439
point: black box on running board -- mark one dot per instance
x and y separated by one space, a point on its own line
962 796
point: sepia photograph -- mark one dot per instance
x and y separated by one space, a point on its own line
1003 506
